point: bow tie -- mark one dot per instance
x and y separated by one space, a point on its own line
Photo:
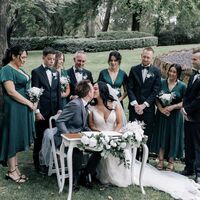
77 70
147 68
48 68
195 71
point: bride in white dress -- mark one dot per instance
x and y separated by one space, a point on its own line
106 115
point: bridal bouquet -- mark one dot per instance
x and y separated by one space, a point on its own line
106 144
166 98
34 94
64 81
116 146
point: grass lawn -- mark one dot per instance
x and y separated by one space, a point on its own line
44 187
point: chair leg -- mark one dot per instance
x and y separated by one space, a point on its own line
50 171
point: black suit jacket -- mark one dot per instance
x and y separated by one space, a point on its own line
191 100
50 100
73 82
144 91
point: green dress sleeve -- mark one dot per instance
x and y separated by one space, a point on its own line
6 74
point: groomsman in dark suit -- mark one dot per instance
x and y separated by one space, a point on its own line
50 101
73 119
191 111
144 83
78 72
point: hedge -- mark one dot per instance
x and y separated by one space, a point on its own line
178 36
118 35
93 45
87 44
35 43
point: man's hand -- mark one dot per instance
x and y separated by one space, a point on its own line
39 116
139 108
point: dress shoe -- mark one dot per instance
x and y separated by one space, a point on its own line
85 180
42 170
187 173
76 185
197 179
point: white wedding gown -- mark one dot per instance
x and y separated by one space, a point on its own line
109 172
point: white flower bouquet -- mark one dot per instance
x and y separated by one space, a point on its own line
34 94
166 98
116 146
64 81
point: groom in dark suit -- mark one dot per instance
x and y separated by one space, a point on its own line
78 72
73 119
191 111
144 84
50 101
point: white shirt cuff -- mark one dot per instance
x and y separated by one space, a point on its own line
133 103
37 111
146 104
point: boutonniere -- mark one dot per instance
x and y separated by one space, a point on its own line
149 75
54 74
85 76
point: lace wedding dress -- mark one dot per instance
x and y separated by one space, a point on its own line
110 172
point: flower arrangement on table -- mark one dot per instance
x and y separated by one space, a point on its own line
64 81
34 94
166 98
132 134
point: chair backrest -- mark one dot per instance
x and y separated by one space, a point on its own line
51 119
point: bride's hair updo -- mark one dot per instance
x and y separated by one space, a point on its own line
104 94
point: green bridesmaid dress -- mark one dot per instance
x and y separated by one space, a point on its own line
18 123
168 132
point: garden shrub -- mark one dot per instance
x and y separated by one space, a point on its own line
118 35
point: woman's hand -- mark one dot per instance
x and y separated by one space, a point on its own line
165 111
170 108
32 106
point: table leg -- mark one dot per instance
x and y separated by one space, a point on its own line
134 152
144 160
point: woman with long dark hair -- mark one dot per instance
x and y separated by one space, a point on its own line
105 113
168 138
18 125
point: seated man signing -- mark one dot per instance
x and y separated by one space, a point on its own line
73 119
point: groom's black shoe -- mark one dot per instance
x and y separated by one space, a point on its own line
76 185
86 181
187 172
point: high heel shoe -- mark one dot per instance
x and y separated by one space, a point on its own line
170 166
17 180
21 175
160 165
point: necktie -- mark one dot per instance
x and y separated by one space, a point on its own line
77 70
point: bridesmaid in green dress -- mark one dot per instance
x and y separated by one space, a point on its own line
114 76
59 63
168 138
18 125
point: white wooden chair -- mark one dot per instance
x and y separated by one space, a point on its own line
54 166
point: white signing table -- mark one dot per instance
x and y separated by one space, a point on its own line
72 140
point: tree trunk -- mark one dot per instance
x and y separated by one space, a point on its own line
135 26
3 45
106 20
90 28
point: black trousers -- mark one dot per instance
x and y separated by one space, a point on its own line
40 127
192 146
91 166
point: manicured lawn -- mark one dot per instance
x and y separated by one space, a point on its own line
44 187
